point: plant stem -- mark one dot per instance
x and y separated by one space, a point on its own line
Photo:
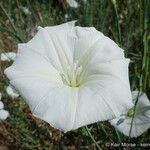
118 25
134 114
118 135
92 138
145 62
145 43
89 14
11 22
117 19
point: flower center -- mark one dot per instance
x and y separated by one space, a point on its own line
72 75
130 113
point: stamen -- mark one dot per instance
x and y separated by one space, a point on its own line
72 75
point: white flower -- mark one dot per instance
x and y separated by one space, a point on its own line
1 105
141 120
72 76
66 16
11 91
26 10
72 3
8 56
3 113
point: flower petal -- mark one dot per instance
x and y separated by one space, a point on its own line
116 68
85 40
142 99
3 114
31 64
72 3
140 122
138 126
62 38
107 50
54 103
8 56
94 47
43 43
1 105
101 99
12 92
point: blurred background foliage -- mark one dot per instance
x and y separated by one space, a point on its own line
127 22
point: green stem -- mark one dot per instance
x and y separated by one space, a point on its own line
145 42
89 14
11 22
118 135
145 62
92 138
101 126
118 25
114 2
10 32
7 15
134 114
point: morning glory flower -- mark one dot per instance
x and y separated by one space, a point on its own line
8 56
72 76
141 120
12 92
